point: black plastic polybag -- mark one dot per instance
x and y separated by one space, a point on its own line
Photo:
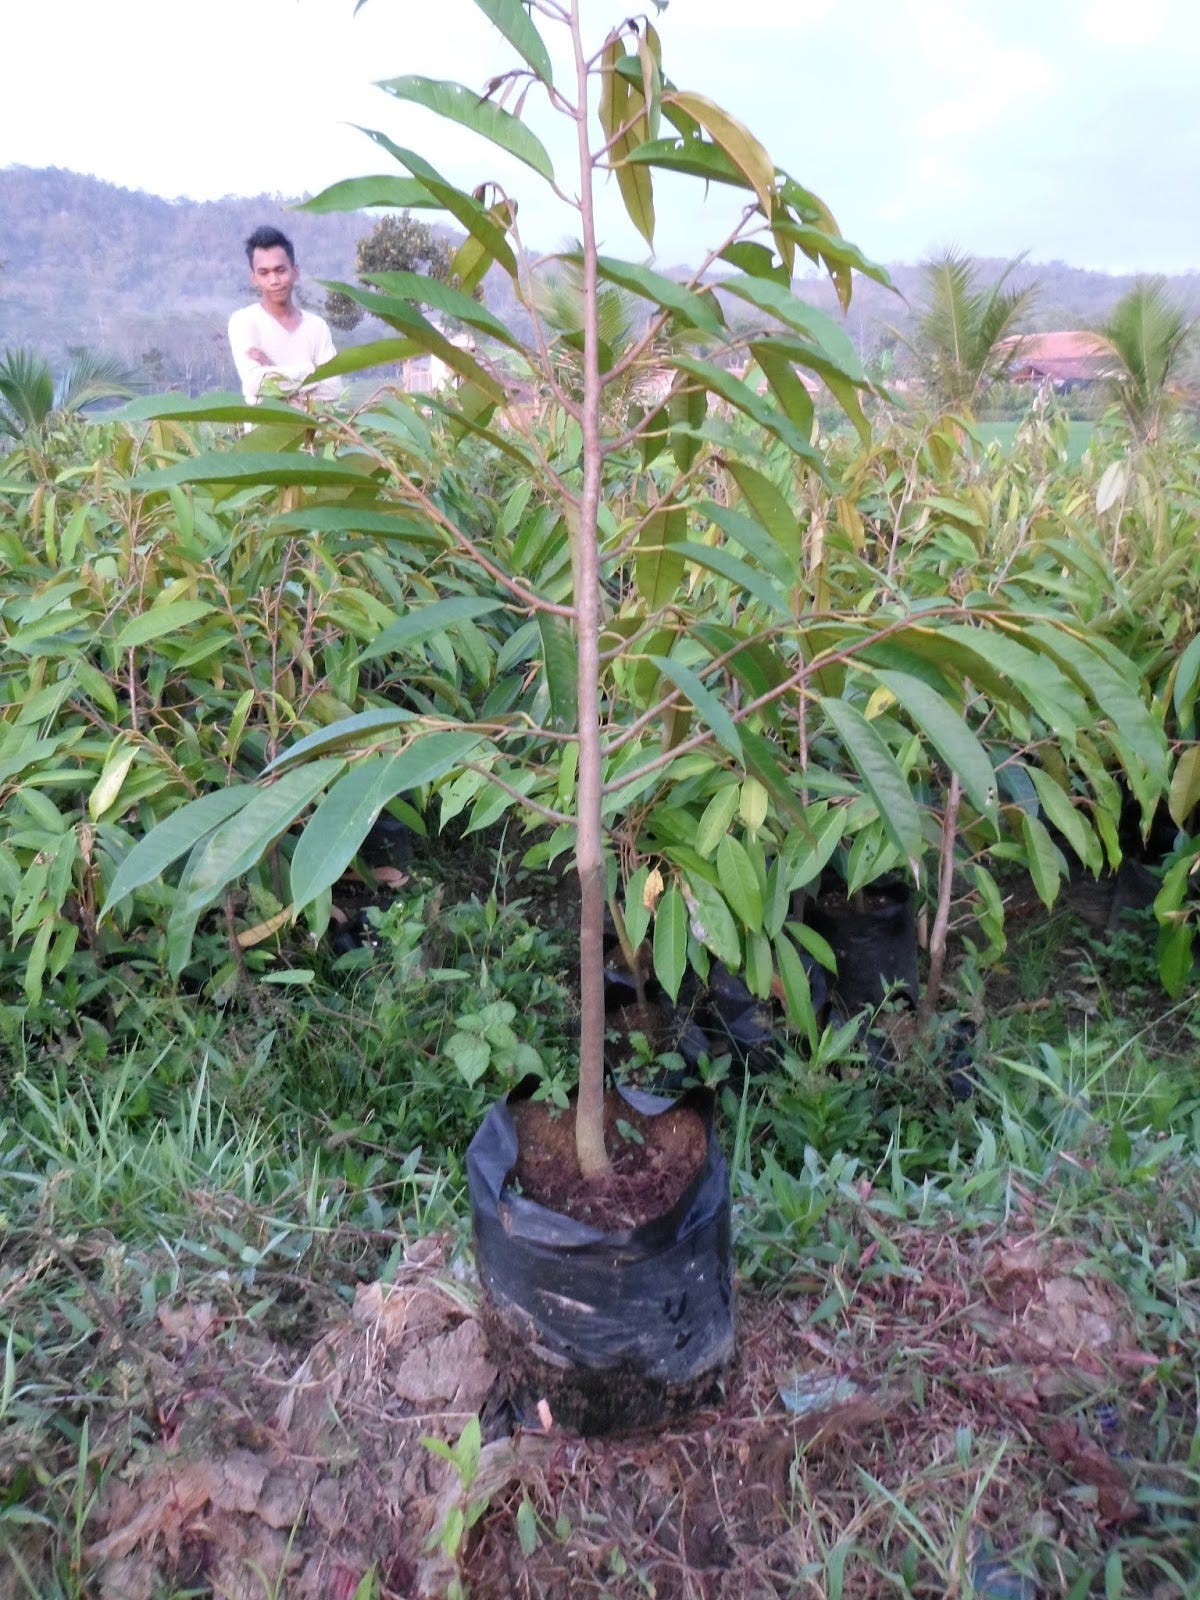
653 1302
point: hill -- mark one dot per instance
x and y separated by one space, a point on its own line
152 281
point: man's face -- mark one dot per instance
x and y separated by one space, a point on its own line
274 275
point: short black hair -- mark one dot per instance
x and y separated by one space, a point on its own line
266 238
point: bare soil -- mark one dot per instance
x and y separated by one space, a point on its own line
654 1160
242 1466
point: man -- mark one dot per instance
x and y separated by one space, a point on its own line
275 339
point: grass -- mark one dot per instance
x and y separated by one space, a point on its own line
969 1329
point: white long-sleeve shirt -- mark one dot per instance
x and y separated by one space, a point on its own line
294 353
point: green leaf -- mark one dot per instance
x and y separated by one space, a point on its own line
745 578
1185 786
562 669
1045 859
359 194
706 704
172 617
770 509
881 777
513 20
777 300
691 155
403 315
715 819
420 289
210 408
423 623
625 122
712 924
240 843
476 112
1117 695
670 941
337 828
471 213
659 567
797 993
173 837
691 309
221 466
936 720
739 882
751 404
1067 819
1187 679
346 733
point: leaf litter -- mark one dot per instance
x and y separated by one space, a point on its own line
955 1394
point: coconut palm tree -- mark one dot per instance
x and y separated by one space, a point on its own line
1149 335
29 396
961 335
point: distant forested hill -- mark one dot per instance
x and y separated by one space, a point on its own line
85 263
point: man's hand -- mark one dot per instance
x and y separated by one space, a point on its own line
259 357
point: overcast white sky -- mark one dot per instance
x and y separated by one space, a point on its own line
1068 128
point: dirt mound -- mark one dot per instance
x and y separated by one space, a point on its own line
272 1476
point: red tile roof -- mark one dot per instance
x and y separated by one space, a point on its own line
1076 356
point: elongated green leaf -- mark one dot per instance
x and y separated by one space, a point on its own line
358 194
787 388
421 333
691 309
797 994
237 845
881 777
712 923
770 509
751 404
172 838
347 733
625 122
692 155
738 143
473 215
342 820
220 466
745 577
1045 859
1070 823
1116 694
160 620
210 408
778 301
658 567
715 819
420 625
513 20
1185 786
739 882
476 112
378 523
940 723
670 941
445 298
562 670
706 704
1187 679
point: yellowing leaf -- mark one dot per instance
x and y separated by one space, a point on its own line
738 143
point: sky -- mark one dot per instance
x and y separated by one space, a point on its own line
1065 128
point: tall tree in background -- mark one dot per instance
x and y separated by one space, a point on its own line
1149 334
961 328
394 244
29 396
